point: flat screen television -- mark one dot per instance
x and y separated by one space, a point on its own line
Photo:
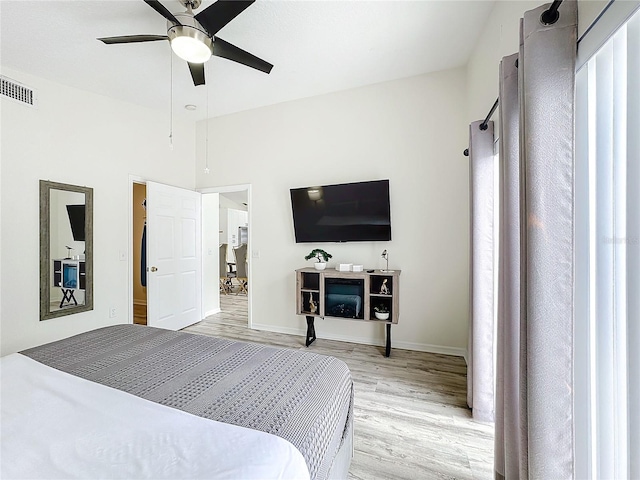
76 219
348 212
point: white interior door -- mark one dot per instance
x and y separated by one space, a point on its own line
174 276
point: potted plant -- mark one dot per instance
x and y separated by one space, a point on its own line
321 258
381 312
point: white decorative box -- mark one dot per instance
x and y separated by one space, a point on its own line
344 267
358 268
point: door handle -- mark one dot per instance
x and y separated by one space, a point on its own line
154 269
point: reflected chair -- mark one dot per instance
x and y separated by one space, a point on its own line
225 276
241 267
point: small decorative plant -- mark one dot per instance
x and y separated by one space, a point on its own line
381 311
381 308
319 254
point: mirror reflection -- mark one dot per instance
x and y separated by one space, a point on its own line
66 246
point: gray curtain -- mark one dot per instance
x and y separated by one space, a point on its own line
480 361
548 63
534 436
510 436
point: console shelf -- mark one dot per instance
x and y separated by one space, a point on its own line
347 295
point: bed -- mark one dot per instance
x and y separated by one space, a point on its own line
130 401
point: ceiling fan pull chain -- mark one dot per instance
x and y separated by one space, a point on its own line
171 101
206 133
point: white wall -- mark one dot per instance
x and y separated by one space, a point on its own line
83 139
210 254
410 131
500 38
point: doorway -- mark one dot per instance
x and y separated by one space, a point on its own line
231 277
139 254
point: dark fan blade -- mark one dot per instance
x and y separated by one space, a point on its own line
133 39
162 10
197 73
231 52
217 15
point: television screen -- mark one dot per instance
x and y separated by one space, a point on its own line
76 219
348 212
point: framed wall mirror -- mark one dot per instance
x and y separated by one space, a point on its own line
66 249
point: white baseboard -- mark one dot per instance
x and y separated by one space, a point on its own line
419 347
426 347
276 329
212 312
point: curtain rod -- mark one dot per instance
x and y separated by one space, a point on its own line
483 126
548 17
551 16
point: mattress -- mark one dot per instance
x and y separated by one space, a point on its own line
56 425
302 397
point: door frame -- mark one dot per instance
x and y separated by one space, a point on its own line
238 188
221 189
132 179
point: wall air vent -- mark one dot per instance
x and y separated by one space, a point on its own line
16 91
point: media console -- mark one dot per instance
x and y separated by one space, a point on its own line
70 275
348 295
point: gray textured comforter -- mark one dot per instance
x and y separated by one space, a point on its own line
302 397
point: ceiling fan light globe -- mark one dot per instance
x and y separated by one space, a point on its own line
191 49
189 40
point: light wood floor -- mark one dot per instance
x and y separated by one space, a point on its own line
411 419
234 311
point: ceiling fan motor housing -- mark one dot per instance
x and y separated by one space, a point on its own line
194 4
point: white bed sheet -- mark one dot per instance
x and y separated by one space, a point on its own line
56 425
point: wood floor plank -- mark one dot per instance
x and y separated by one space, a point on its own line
410 416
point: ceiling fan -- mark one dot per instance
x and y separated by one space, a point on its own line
193 39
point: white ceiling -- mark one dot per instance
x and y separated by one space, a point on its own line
316 47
